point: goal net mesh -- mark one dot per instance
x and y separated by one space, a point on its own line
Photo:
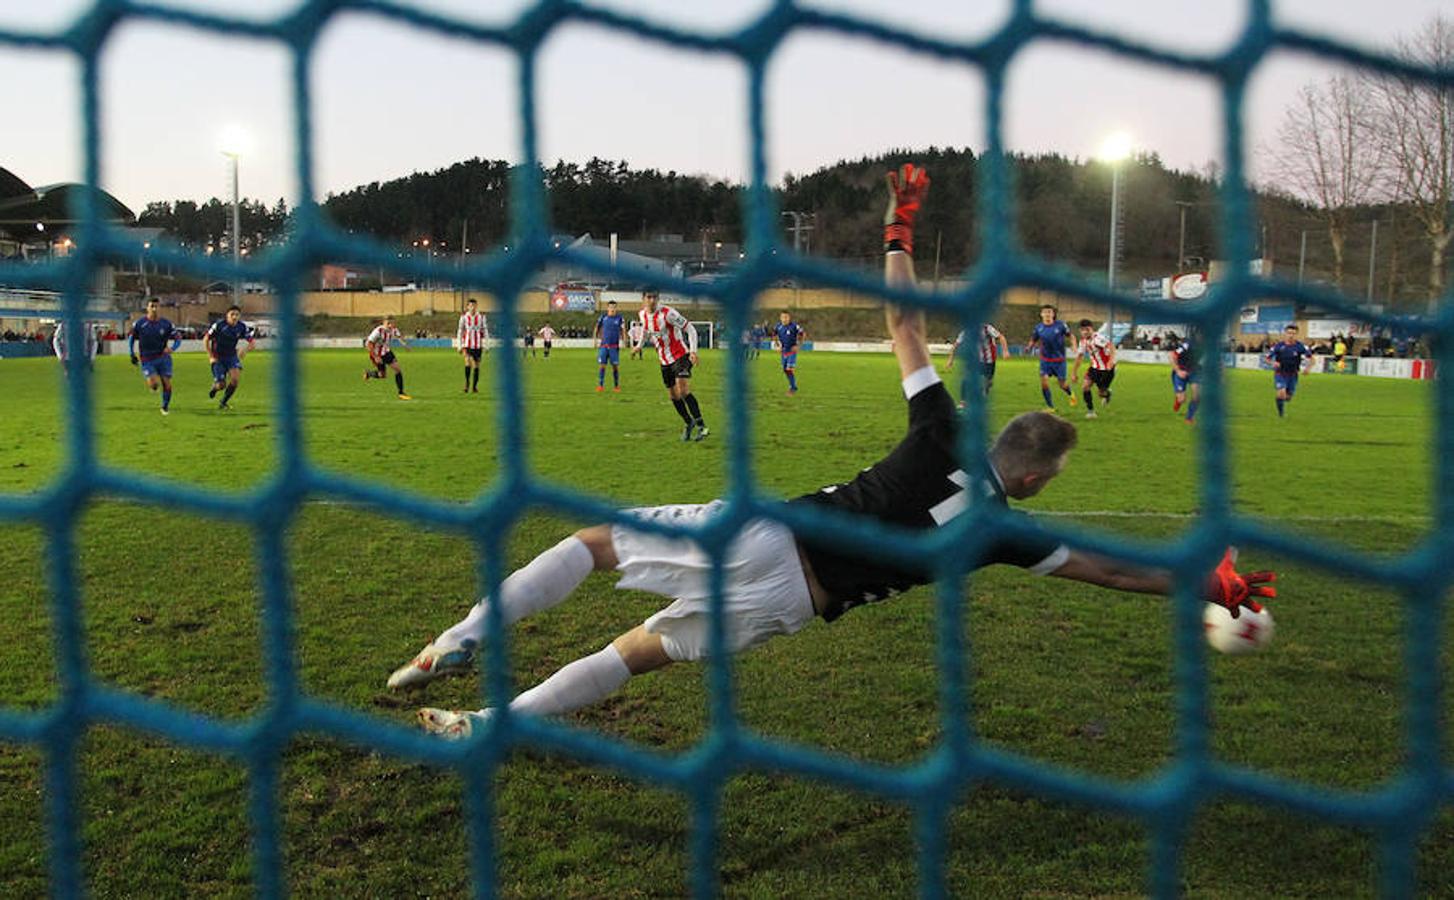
1166 802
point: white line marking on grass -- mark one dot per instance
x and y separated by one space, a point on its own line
1055 513
1093 514
1132 514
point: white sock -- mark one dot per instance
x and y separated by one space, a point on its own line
586 681
547 580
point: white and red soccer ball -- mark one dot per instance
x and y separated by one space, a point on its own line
1249 632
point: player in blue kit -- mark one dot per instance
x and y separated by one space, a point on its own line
221 343
152 332
608 342
1184 377
1287 361
1051 334
789 335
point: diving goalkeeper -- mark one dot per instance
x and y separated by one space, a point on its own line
775 582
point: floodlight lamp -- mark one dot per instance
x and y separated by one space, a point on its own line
1116 147
234 141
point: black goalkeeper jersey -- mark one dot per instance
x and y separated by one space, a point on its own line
919 485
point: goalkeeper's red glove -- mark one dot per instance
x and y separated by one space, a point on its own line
1228 588
907 188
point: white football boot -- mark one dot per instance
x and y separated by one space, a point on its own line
433 661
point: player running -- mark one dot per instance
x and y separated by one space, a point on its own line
381 356
221 344
637 334
992 345
547 337
676 348
788 334
473 332
1051 335
152 332
1287 358
608 346
1102 355
776 582
1185 379
85 347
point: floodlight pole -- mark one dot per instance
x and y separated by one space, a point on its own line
1181 243
1372 259
1115 243
236 233
1302 257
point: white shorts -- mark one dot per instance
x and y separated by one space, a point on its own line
765 593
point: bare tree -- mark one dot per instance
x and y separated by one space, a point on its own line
1416 126
1326 155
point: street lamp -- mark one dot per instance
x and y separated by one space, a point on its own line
1114 151
234 142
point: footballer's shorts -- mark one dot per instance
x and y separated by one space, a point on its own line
764 591
1102 378
1055 367
1281 381
225 365
474 353
610 355
790 360
680 368
381 362
1179 384
160 367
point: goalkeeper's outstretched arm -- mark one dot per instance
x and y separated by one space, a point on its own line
907 189
1106 571
1225 586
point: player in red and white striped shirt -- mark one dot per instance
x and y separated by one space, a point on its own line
1102 355
381 356
473 332
992 346
676 348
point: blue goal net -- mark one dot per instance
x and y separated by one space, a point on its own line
1398 812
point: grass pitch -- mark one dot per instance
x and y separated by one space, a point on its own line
1064 673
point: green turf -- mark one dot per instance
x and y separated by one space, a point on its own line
1069 674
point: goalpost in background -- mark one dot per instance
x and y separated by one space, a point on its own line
706 334
1397 812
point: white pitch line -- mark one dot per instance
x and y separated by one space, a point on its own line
1058 513
1097 514
1131 514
